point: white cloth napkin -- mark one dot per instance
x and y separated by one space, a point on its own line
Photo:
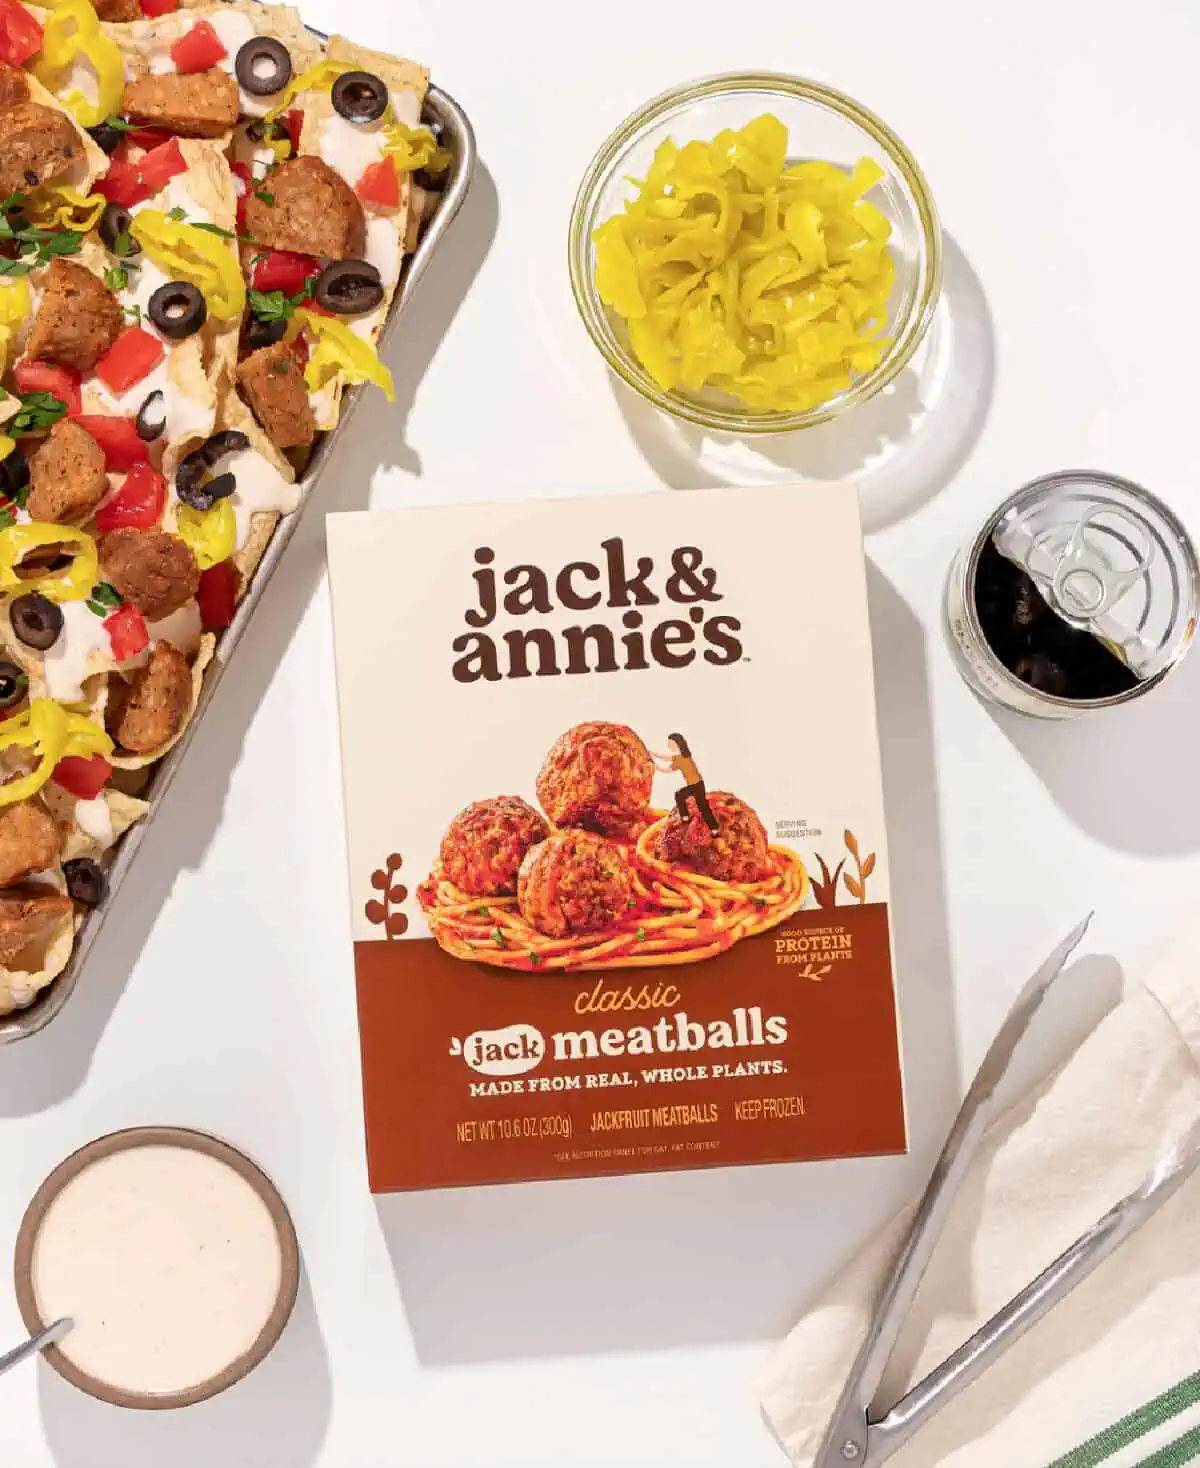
1046 1171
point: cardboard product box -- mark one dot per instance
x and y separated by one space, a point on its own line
617 855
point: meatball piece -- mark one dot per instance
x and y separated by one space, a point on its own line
77 320
738 851
202 104
312 210
153 570
37 145
485 844
30 840
598 776
14 88
151 709
67 475
273 384
119 11
573 882
29 915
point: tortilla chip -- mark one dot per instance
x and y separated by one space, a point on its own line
92 160
201 661
20 987
123 811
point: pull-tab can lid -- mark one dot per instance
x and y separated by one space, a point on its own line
1110 559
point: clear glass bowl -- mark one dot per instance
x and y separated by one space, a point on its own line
822 124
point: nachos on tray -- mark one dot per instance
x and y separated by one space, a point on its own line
203 216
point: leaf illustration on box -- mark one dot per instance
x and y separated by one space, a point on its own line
381 912
856 881
826 891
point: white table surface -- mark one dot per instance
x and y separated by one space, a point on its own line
621 1321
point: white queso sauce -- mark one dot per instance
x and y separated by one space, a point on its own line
167 1259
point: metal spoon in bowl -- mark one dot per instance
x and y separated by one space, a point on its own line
48 1337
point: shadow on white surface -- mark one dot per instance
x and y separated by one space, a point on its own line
41 1071
1126 776
690 1258
277 1417
902 446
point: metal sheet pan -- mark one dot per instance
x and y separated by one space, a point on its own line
458 137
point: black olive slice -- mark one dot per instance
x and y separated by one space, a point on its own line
152 417
178 309
86 883
36 621
348 287
14 683
14 473
360 96
106 137
262 66
190 476
114 222
264 333
262 130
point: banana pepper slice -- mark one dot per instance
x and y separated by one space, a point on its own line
72 29
54 733
203 259
337 349
16 305
319 78
211 534
58 206
411 148
71 585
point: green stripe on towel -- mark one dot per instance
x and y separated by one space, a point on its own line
1185 1449
1137 1424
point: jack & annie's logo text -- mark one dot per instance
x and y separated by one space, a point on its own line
594 647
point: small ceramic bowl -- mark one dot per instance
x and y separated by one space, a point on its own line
822 124
276 1315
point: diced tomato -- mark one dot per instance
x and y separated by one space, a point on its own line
82 778
127 633
281 270
122 184
147 138
137 505
379 185
134 353
299 348
161 165
20 34
159 7
118 437
294 118
198 49
217 595
33 376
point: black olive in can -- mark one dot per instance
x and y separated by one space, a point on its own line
1080 592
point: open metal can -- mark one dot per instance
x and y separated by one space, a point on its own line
1080 592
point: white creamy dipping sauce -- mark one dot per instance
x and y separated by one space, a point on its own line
260 486
168 1261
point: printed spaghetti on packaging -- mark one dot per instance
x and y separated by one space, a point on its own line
616 836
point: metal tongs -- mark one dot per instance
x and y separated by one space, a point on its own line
859 1433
